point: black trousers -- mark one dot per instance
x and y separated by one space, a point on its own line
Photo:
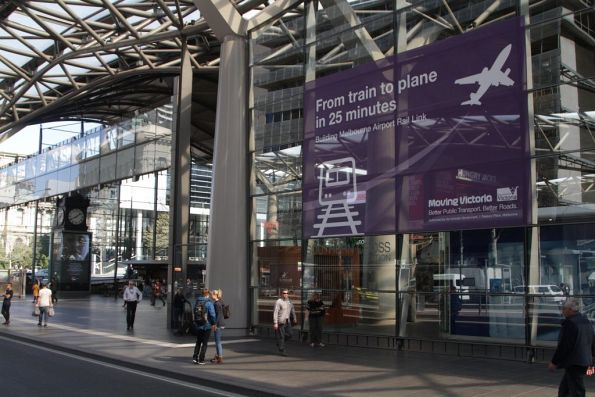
315 328
200 349
6 310
572 384
130 313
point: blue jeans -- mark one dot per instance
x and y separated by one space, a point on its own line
43 314
218 345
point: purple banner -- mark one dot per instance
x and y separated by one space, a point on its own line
431 139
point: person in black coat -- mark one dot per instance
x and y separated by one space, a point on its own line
316 314
575 350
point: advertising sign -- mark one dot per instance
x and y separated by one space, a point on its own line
434 138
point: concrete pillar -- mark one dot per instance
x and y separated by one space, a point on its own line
179 208
227 255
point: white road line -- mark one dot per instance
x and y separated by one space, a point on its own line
129 370
130 338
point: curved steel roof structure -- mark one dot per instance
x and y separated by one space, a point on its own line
96 60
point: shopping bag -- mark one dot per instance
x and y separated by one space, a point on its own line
35 311
51 311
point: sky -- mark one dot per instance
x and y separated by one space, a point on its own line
26 141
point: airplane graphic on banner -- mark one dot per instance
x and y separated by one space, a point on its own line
337 190
488 78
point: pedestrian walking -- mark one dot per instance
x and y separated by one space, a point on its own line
316 312
283 319
178 308
157 293
54 288
6 303
216 296
44 303
131 296
575 351
204 321
35 289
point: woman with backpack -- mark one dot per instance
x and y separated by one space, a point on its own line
216 296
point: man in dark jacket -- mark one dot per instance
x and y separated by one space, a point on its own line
575 351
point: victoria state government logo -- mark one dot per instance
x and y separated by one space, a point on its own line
507 193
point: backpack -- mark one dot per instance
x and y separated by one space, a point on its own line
226 312
200 313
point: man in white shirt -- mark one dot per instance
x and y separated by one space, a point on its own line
132 296
283 318
44 302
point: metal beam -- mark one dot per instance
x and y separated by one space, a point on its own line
222 17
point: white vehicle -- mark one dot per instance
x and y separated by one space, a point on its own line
550 292
446 281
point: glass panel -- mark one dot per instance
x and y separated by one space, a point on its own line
30 167
278 118
356 279
125 163
89 173
52 186
3 177
145 127
20 171
64 184
7 195
11 174
109 139
278 170
277 216
164 119
92 144
41 163
65 153
276 266
162 237
78 150
53 160
41 186
107 172
162 154
464 284
566 268
126 133
144 158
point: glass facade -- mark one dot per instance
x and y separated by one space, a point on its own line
498 285
103 155
124 171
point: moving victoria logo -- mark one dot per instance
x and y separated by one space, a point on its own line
507 193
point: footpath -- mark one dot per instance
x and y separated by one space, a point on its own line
96 327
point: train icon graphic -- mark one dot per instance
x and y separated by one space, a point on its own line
337 193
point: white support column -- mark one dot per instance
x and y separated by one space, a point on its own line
227 255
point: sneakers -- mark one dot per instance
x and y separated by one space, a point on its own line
282 352
201 363
321 344
195 361
312 344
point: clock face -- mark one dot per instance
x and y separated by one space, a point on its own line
60 217
76 216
